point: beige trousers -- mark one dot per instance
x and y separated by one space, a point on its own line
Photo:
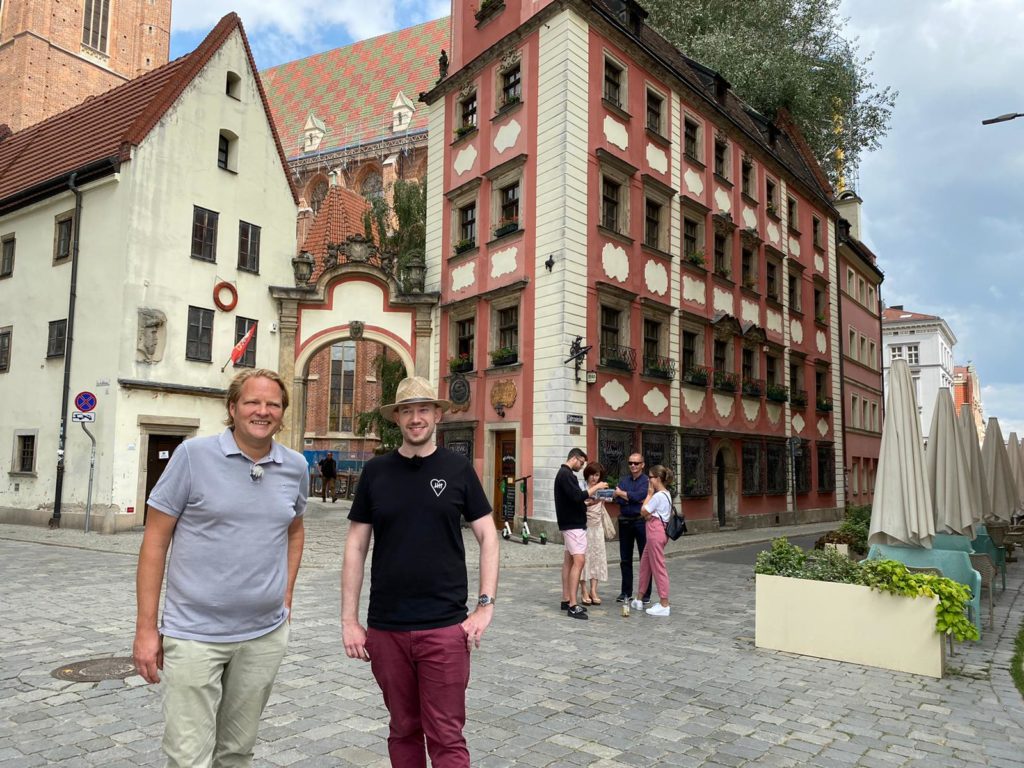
214 695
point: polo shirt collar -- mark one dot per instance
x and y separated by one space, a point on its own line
229 447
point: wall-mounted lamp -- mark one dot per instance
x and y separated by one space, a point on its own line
499 409
550 263
591 377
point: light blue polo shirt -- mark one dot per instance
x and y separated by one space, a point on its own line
228 567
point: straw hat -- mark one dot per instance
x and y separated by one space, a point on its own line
414 389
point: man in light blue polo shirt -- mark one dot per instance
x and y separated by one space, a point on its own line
232 505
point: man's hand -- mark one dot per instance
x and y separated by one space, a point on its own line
353 635
475 625
148 654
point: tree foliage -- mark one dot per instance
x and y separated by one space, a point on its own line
399 228
389 373
787 54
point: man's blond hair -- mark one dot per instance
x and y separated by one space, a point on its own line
235 388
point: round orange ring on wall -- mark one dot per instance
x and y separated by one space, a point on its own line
225 306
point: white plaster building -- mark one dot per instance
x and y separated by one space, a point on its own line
185 216
926 342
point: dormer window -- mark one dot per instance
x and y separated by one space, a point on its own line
313 133
233 86
401 112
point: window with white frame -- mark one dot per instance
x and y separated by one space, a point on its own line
227 150
655 220
511 81
505 329
6 334
655 112
692 347
792 214
913 354
895 353
872 358
816 236
467 223
96 24
465 334
852 349
614 81
467 113
771 196
614 201
747 176
874 417
248 247
508 205
722 157
63 235
772 279
692 139
693 237
855 411
7 245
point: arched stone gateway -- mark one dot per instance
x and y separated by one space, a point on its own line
358 294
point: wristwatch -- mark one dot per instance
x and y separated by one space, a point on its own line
485 600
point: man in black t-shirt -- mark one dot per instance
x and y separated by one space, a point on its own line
419 636
571 501
329 473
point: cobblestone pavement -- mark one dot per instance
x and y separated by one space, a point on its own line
690 690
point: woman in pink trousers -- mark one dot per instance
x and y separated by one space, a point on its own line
656 510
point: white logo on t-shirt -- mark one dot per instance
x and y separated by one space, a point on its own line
438 487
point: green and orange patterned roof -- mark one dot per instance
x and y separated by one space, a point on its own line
351 89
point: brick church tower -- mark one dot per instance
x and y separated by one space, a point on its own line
56 53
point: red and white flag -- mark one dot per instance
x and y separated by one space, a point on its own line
240 347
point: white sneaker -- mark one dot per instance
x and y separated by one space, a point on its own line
636 604
659 610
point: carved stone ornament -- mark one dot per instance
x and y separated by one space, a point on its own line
152 335
466 91
458 392
504 393
509 60
355 329
726 326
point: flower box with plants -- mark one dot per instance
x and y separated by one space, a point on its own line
750 282
798 398
723 271
464 130
659 368
751 388
823 404
461 363
776 393
505 227
876 613
488 8
504 356
725 381
698 376
772 210
508 102
820 319
696 258
461 246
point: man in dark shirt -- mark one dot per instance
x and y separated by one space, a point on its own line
329 473
413 501
630 495
571 514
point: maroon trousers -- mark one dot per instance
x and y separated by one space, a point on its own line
423 675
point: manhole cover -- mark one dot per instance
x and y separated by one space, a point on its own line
95 670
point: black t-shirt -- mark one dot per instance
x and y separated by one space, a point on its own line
570 506
416 507
328 467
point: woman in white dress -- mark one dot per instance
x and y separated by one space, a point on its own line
595 567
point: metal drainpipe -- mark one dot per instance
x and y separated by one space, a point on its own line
68 344
842 380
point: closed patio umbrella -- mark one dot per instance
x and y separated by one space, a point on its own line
902 511
975 466
1013 449
948 478
1001 490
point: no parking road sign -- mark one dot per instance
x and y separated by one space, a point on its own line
85 401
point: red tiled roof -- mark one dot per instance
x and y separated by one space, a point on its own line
107 126
352 88
340 216
893 315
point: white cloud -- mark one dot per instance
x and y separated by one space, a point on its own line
284 31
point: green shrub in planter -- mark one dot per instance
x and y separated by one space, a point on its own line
785 559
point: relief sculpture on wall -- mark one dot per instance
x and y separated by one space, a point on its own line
151 336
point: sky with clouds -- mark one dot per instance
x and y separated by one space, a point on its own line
943 197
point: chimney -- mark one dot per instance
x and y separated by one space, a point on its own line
848 205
